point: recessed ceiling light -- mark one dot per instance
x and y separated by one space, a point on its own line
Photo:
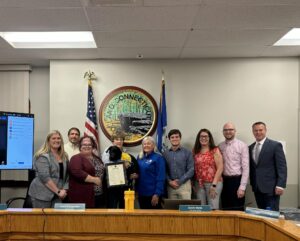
45 40
292 38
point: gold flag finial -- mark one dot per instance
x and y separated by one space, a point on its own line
90 76
163 75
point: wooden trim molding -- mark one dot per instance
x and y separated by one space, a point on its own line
142 225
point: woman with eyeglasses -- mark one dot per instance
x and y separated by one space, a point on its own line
208 169
86 176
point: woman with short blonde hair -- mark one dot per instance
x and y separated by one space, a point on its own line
152 175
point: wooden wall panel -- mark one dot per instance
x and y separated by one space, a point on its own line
166 224
275 235
3 223
142 225
252 229
27 223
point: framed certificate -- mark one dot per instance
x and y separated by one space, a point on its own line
116 174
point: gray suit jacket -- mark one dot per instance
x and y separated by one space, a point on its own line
271 169
46 168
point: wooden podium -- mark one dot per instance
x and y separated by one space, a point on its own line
142 225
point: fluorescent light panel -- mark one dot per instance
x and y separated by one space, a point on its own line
49 40
292 38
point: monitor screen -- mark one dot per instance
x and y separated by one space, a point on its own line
16 140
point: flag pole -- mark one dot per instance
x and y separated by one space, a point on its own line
162 117
91 124
164 137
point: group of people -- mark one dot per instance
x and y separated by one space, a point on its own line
215 174
218 175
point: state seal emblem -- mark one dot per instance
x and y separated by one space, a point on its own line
131 110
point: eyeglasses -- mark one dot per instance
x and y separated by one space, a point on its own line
228 129
87 145
204 137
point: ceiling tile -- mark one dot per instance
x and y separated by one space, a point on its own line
141 18
40 4
131 53
251 2
234 37
140 39
48 53
19 19
247 17
222 52
171 2
282 51
112 3
154 28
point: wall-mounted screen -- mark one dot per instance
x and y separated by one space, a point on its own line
16 140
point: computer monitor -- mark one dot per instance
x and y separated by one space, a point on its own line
16 140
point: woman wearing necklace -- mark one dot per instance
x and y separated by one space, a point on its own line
50 165
208 169
86 176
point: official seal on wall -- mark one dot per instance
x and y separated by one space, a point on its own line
131 110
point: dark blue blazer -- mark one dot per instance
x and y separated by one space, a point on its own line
271 169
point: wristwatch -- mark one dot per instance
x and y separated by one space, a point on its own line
58 192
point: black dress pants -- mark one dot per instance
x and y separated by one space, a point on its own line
267 200
145 203
229 198
116 197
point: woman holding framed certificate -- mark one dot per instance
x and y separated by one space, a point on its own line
150 184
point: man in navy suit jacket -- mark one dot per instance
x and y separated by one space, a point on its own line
268 171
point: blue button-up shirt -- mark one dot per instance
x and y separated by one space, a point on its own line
180 164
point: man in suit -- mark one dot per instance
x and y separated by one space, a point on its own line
268 171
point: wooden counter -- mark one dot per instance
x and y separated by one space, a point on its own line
142 225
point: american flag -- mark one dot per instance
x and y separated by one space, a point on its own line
91 127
